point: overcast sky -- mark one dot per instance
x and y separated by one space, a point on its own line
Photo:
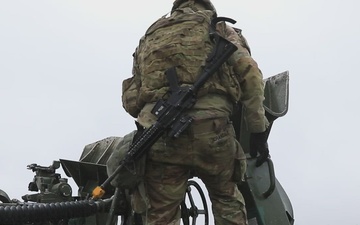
62 64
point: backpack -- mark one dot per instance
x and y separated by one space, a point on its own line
181 40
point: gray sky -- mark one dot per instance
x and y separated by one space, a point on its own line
62 64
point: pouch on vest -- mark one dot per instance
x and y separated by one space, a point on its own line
132 173
129 96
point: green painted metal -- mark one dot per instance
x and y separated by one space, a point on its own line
269 203
4 198
266 201
276 91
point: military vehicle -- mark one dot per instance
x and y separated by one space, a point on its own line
53 202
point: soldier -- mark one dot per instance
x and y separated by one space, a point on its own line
208 148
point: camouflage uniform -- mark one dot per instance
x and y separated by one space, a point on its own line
208 147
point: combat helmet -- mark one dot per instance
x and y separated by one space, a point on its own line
206 3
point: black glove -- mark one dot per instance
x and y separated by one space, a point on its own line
258 144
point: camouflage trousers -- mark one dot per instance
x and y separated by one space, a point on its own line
206 148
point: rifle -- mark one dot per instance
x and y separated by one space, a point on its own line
170 113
